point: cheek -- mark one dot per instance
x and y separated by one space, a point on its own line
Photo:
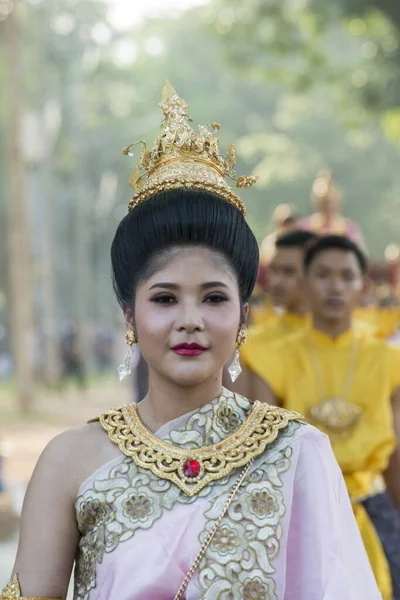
223 322
354 290
317 290
292 282
151 320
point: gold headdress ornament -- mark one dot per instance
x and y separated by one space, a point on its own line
183 158
324 186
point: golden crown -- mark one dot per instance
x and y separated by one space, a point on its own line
183 158
324 187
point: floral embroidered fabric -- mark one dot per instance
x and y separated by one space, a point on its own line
140 534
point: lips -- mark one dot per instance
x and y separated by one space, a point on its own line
189 349
334 302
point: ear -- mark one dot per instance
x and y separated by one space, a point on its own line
367 285
129 318
303 284
246 312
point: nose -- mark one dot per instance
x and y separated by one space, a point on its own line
190 318
337 285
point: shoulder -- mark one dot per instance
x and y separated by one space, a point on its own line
261 331
312 445
291 341
70 456
74 442
381 346
276 419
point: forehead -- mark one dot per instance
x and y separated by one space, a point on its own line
336 259
292 255
193 265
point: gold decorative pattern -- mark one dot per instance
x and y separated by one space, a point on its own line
336 416
167 461
12 591
182 158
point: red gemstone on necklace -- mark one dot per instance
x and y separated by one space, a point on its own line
191 468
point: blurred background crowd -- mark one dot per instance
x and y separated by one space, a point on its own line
308 90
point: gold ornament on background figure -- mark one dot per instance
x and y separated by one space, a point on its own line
125 367
324 187
184 158
235 368
335 415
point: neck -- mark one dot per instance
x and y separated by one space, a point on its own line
166 400
300 310
332 327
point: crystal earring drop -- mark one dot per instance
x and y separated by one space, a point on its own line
125 368
235 368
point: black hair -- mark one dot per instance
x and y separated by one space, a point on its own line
179 218
295 239
335 242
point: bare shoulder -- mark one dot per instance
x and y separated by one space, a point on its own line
75 453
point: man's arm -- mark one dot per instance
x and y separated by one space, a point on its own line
392 474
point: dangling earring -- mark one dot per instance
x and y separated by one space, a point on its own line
124 368
234 368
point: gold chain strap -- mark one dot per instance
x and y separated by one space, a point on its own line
213 531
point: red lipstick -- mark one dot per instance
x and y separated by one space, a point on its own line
189 349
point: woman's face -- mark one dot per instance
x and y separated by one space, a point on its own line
187 315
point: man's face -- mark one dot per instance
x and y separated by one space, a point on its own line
285 275
334 283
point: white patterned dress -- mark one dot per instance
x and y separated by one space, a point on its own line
289 534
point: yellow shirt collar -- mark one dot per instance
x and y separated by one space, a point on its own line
322 340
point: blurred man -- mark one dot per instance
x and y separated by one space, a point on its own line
285 220
348 385
327 218
286 289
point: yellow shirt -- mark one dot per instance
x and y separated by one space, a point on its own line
385 321
309 367
289 369
262 314
275 329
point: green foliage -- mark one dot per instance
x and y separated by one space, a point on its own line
298 85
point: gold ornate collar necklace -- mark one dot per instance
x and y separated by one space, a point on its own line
191 469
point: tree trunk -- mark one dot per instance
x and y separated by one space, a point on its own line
21 307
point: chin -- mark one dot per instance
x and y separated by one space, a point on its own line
278 299
190 378
334 315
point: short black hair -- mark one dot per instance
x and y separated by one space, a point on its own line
295 239
334 242
179 218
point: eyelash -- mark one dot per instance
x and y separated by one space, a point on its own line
211 299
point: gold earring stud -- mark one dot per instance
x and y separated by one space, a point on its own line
241 337
130 337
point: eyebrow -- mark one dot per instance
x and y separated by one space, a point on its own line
174 286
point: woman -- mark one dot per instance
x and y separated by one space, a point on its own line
195 492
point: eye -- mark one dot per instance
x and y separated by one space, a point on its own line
164 299
216 298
